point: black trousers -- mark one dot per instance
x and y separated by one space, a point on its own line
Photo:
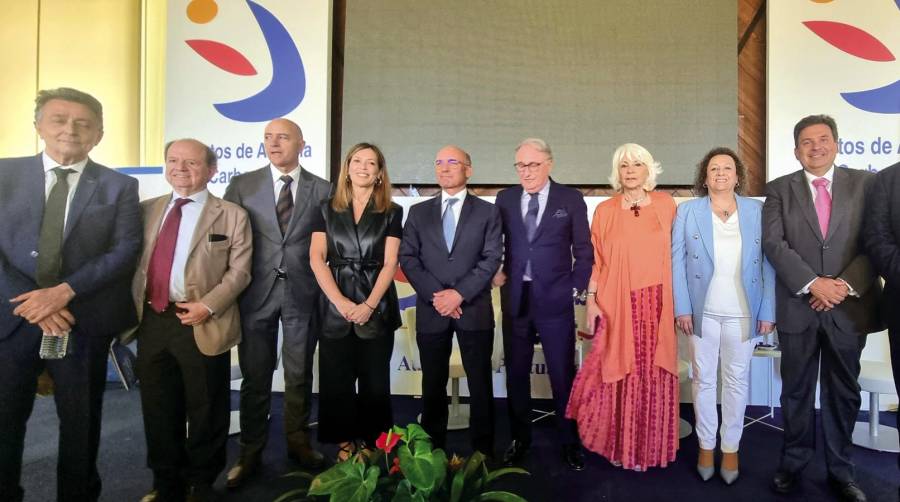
801 355
80 380
475 348
258 352
345 413
178 382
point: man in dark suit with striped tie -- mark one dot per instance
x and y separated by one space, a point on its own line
281 200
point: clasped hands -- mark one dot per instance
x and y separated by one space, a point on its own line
826 293
357 313
686 324
46 308
448 303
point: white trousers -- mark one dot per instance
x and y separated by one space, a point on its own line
728 338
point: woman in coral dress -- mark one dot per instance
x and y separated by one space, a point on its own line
625 397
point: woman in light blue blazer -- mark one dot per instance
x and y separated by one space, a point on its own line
724 297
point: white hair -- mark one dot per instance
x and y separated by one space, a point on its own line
632 152
536 143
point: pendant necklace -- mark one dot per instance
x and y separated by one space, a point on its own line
635 204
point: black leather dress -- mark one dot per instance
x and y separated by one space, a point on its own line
356 256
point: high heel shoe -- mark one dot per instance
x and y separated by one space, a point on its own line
729 469
705 465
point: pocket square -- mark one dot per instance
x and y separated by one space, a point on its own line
217 237
560 213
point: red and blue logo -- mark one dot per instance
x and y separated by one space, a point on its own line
288 85
861 44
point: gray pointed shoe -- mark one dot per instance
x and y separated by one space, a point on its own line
706 471
729 475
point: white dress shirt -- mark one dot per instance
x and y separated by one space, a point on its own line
726 296
457 207
278 184
50 179
190 215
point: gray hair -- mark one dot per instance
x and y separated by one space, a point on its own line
536 143
633 151
68 94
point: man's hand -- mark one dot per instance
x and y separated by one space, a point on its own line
192 313
37 304
447 302
828 292
58 323
765 327
686 324
499 279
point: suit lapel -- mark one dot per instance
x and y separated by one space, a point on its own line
152 226
519 220
840 206
435 221
32 210
748 227
703 218
301 200
209 214
263 198
464 215
87 184
804 200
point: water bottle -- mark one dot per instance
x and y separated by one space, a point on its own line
54 346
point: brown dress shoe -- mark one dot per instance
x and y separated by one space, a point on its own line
241 470
300 449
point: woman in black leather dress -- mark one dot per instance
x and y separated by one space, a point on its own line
354 257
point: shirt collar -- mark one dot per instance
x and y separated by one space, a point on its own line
277 174
828 176
198 197
543 192
461 196
49 164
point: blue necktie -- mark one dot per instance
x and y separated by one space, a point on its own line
531 217
449 223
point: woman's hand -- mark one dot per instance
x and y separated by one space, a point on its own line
345 307
765 327
686 324
361 314
593 313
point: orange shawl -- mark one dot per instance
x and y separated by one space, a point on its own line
610 272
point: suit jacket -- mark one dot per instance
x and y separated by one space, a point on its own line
254 191
101 242
794 245
882 236
468 267
693 261
561 253
215 272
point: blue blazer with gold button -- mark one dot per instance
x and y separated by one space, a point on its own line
693 261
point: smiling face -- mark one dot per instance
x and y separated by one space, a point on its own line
186 167
633 173
533 167
452 168
283 142
69 130
816 149
363 168
721 174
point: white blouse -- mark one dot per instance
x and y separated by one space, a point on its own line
726 296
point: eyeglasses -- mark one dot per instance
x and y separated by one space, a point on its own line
449 162
531 167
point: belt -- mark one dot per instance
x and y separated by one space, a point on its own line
355 264
280 273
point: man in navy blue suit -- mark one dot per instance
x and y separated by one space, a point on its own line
71 237
548 260
451 271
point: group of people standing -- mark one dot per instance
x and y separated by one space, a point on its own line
286 247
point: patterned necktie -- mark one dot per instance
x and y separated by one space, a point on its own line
449 223
160 269
285 205
49 261
531 225
823 204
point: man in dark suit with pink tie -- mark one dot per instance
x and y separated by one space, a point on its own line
548 259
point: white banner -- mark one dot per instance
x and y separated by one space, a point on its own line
231 66
840 59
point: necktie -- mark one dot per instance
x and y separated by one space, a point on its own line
531 225
285 205
823 204
49 259
449 223
160 269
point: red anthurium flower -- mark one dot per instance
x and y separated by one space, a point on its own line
396 467
387 441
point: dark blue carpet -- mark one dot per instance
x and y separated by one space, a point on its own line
126 478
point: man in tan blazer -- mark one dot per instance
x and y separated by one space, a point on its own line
195 262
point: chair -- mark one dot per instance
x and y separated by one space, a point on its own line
876 378
684 373
234 423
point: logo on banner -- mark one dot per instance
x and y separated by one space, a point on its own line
861 44
288 85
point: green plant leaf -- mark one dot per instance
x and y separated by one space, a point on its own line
415 432
417 467
456 486
299 474
500 496
289 495
327 481
502 472
438 468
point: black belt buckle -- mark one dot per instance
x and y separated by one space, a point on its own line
280 273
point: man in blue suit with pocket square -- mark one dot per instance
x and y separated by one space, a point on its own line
548 259
71 237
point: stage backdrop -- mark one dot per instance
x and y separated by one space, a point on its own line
231 66
841 59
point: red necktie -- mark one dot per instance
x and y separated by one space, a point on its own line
160 268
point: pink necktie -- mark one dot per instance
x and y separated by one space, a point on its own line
160 268
823 204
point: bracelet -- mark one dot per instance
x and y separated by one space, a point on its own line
591 293
370 307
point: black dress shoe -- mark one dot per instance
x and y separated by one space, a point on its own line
785 482
849 492
573 457
515 454
241 470
201 493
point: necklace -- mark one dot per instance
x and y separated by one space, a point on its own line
726 212
635 204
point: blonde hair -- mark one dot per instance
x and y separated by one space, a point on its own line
381 192
632 152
